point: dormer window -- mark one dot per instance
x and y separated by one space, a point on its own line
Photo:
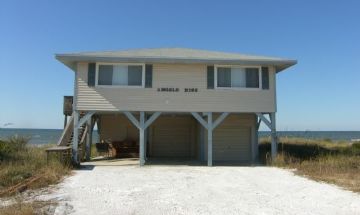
120 75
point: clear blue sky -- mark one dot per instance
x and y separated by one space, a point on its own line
320 93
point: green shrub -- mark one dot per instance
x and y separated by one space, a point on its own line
356 148
10 148
356 145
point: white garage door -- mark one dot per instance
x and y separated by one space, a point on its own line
232 143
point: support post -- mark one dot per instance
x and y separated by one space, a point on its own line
88 139
273 136
202 144
142 138
146 133
210 126
210 137
75 145
257 126
142 125
75 148
145 138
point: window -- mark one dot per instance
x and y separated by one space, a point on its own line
131 75
237 77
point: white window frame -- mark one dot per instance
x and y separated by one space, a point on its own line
119 86
237 88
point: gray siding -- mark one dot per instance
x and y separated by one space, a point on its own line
178 76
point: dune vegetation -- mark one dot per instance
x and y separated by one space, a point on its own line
24 166
322 160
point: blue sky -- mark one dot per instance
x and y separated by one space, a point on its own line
320 93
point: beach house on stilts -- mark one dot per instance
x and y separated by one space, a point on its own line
173 102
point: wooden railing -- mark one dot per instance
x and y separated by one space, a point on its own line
67 136
82 143
67 132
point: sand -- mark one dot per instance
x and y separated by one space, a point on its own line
198 190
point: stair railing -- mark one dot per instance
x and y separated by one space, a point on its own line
67 132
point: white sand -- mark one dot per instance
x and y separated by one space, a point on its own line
199 190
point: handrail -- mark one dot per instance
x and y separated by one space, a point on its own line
83 135
66 134
82 141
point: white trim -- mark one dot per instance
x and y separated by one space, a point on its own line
237 88
120 86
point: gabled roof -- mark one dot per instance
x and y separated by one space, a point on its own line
174 55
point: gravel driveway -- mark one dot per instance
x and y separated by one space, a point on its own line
199 190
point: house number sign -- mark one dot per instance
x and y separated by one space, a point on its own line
173 89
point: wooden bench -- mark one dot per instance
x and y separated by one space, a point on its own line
64 153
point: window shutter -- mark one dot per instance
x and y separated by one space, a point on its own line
210 77
148 75
91 74
252 78
265 77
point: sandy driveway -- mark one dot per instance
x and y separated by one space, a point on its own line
199 190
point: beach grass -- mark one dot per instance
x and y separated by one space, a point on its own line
321 160
24 166
21 207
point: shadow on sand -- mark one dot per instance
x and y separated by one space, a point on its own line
104 161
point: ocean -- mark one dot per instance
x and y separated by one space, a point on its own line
38 136
46 136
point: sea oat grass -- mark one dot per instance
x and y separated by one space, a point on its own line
24 166
333 162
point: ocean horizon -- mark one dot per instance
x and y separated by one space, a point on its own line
51 136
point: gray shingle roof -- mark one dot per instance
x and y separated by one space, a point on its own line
174 55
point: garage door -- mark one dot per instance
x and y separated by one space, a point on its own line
232 143
171 137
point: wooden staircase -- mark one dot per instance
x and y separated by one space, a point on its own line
66 138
